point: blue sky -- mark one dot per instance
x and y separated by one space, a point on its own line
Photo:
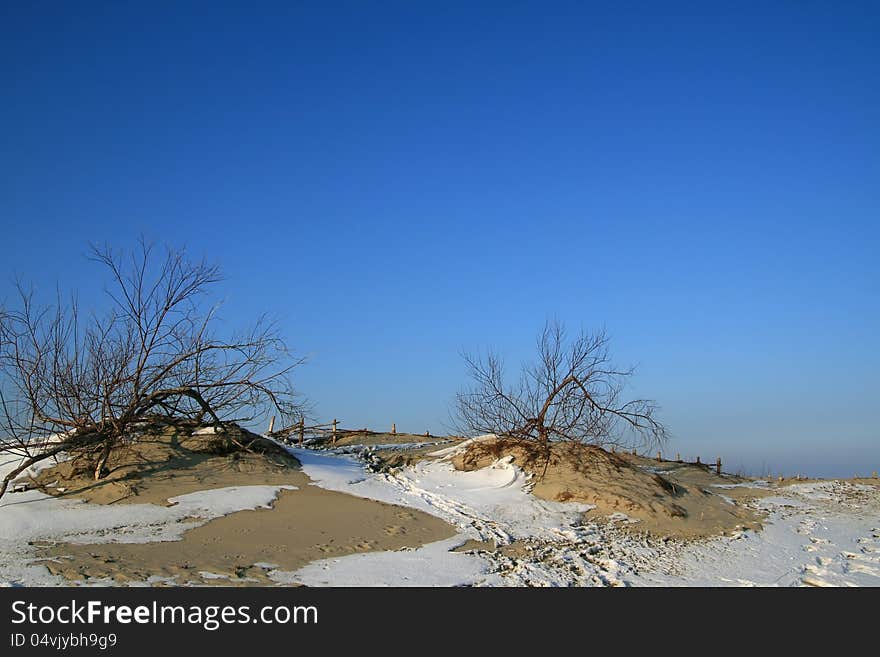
396 182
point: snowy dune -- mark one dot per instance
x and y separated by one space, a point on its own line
819 534
825 533
32 516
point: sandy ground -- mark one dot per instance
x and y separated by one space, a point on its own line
822 533
476 512
378 438
167 462
303 525
668 499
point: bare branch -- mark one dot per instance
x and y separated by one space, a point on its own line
153 351
572 392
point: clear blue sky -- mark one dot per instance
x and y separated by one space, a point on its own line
397 182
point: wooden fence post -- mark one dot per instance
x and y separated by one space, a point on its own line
302 431
718 466
271 424
659 456
393 429
698 460
335 422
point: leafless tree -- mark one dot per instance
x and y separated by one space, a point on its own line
571 393
69 383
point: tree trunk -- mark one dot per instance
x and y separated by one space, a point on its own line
26 464
544 441
102 461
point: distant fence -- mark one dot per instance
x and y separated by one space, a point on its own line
331 431
298 432
659 458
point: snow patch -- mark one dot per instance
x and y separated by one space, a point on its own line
430 565
34 517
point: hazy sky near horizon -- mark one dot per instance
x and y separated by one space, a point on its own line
398 182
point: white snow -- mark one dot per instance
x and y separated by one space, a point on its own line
834 543
811 537
358 448
757 483
430 565
204 431
487 504
490 503
32 517
461 447
819 534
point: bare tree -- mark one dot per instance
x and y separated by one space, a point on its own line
69 383
571 393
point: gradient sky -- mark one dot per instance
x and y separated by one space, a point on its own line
397 182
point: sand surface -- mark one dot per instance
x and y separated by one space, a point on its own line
257 547
669 499
164 462
303 525
379 438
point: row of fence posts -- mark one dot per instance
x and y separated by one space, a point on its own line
677 459
301 430
335 431
394 430
335 424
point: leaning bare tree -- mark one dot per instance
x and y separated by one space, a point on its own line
572 392
78 384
